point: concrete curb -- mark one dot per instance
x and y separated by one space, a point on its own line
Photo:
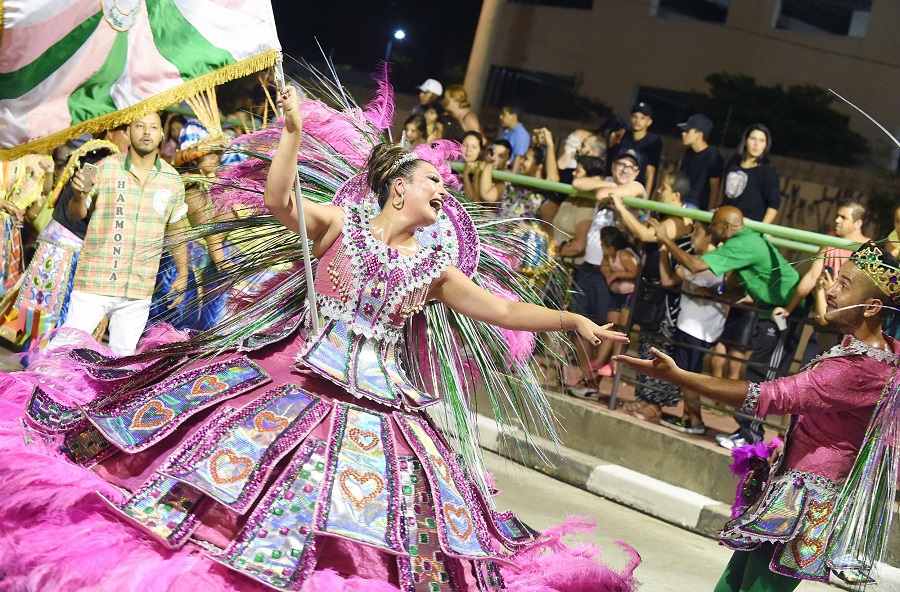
672 504
667 502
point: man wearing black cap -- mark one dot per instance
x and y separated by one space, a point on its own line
644 142
701 163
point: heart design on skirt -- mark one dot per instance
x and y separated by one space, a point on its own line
151 415
363 438
441 466
818 512
355 484
266 421
806 550
240 466
208 385
457 518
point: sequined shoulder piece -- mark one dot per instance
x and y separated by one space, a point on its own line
850 346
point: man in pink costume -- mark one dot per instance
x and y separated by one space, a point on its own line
785 534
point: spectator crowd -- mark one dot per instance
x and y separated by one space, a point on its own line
690 288
83 238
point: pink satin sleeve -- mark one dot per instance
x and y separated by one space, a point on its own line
835 384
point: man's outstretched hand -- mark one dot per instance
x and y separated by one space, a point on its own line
661 366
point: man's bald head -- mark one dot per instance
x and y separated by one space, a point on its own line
729 214
726 222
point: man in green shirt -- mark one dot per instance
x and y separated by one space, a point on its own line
750 263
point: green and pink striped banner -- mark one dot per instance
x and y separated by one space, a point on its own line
74 66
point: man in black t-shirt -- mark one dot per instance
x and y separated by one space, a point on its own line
645 143
701 163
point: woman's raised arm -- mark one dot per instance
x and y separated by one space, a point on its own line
279 193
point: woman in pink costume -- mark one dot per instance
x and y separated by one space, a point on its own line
297 460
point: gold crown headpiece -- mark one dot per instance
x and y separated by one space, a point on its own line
870 259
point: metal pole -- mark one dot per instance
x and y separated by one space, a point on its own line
791 238
307 258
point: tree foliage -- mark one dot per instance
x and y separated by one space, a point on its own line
802 118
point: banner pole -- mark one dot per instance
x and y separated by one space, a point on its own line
307 258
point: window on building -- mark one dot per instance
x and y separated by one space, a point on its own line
712 11
581 4
541 93
837 17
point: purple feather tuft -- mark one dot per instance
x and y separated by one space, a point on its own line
440 153
743 461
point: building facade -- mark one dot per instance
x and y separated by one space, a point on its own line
617 50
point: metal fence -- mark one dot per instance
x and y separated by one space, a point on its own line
802 241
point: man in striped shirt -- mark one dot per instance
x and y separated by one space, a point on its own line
135 200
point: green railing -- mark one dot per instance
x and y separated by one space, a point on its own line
780 236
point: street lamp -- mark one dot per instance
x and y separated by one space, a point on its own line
399 35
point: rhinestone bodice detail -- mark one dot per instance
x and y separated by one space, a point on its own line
365 299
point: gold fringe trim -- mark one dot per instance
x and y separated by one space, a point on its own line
69 171
155 103
2 20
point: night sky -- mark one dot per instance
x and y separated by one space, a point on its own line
356 33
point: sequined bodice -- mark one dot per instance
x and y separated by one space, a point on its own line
372 287
365 299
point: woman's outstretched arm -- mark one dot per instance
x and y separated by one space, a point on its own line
458 292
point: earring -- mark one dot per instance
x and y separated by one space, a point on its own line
396 205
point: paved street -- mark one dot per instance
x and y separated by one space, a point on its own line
674 560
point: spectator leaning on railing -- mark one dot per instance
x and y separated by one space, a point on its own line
751 263
699 325
652 395
592 295
519 201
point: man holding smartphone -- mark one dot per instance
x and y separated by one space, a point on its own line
133 200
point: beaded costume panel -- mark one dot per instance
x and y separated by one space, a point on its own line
373 291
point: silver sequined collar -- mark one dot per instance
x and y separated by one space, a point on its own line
851 346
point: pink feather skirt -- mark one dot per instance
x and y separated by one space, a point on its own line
241 472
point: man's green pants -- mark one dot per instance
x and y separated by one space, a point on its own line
749 572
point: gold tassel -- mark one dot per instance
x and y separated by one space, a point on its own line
155 103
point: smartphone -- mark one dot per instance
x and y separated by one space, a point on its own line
830 271
89 172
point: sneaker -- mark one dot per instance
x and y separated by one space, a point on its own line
606 370
582 392
683 425
731 441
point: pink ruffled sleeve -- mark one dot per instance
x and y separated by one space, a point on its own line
835 384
